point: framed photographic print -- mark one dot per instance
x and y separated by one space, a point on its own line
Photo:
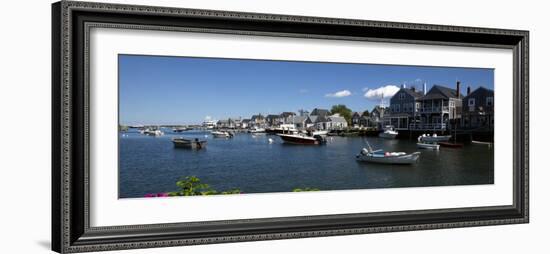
181 126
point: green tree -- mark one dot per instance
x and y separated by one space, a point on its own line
343 111
192 186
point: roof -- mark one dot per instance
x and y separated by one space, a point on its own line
287 114
379 109
412 93
298 119
259 116
481 89
319 112
312 118
337 119
440 92
272 116
321 119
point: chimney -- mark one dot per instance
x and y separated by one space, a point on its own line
425 89
458 89
468 91
413 89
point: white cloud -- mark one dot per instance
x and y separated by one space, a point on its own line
339 94
381 92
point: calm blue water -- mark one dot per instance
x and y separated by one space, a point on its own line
253 165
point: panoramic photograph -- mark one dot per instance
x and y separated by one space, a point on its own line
193 126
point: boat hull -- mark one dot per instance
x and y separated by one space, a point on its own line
298 140
407 159
221 134
387 135
430 139
189 144
428 146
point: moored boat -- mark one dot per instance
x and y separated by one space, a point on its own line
188 143
434 138
430 146
388 133
181 129
222 134
302 139
282 129
154 133
257 130
427 145
382 157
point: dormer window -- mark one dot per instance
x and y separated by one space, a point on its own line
471 102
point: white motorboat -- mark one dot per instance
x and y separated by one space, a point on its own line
379 156
257 130
434 138
154 133
222 134
388 133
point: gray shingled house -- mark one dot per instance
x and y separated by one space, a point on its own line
478 109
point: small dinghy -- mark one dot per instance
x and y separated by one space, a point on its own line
379 156
188 143
426 145
430 146
222 134
434 138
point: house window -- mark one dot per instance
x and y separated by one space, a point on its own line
471 102
451 104
401 96
397 108
489 101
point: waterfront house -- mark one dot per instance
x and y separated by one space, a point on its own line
273 120
257 121
336 122
286 117
361 119
320 112
478 109
318 122
299 122
403 108
355 118
377 115
366 121
223 123
245 123
439 107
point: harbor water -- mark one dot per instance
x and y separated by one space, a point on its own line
252 164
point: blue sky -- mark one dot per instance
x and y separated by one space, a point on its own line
184 90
